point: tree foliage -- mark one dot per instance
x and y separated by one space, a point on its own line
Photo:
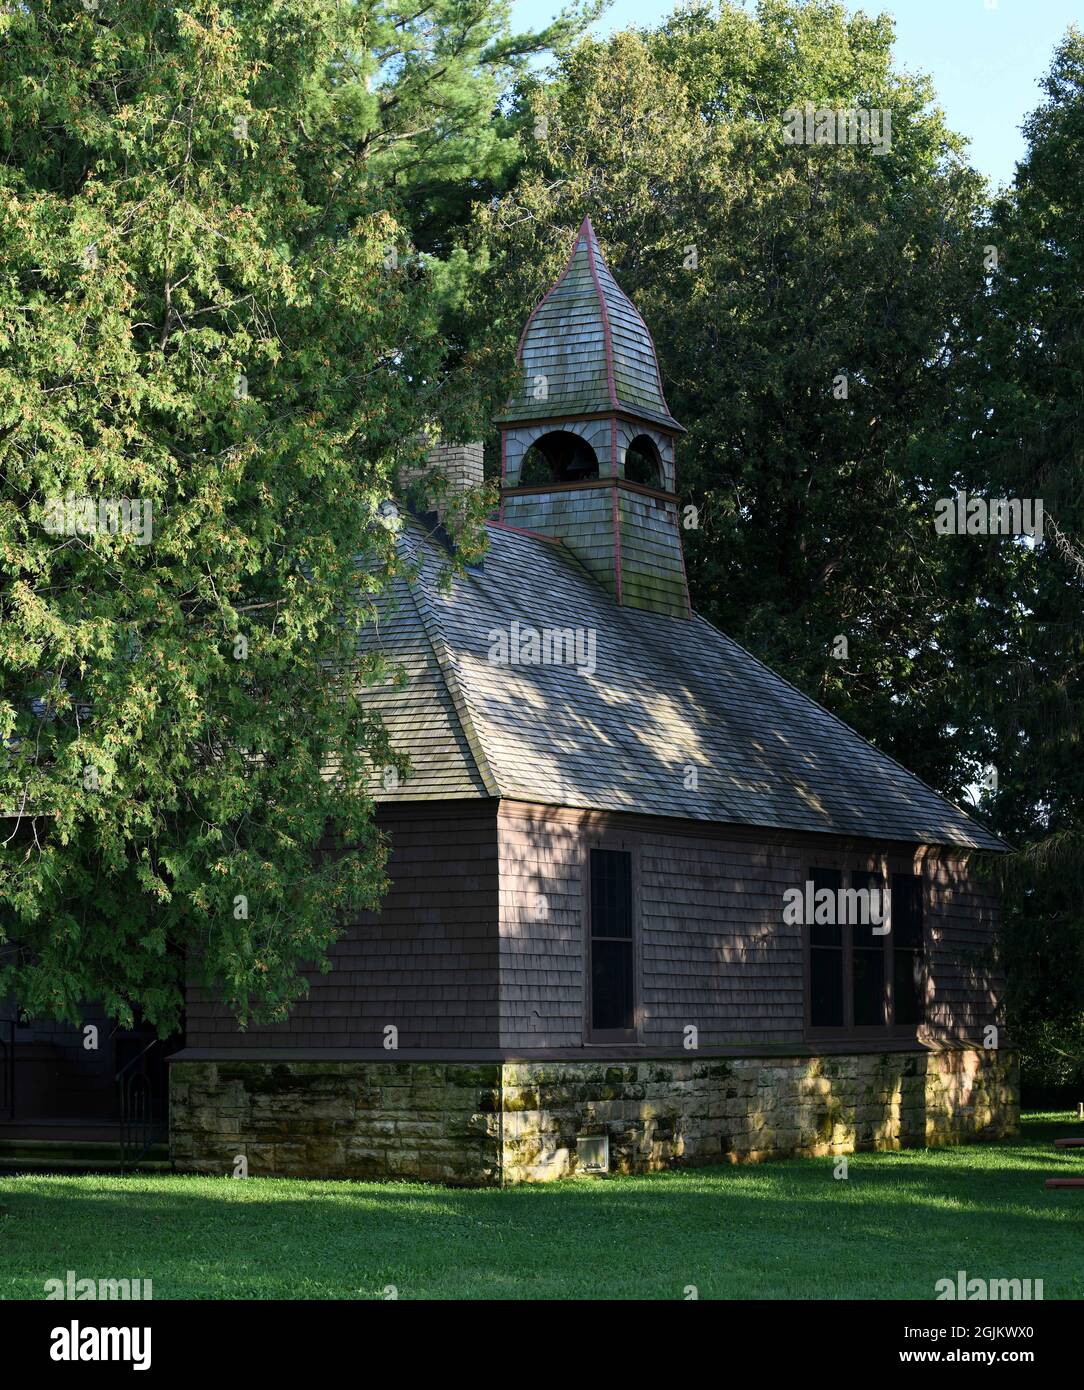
210 306
1020 434
248 256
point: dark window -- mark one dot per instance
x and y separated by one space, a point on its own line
861 977
612 985
868 965
826 959
907 949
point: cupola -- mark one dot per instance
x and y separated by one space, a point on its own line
587 440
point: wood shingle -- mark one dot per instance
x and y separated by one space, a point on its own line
666 717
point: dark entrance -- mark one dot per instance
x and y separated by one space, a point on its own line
94 1082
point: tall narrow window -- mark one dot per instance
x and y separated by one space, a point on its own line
826 959
613 1006
869 958
907 949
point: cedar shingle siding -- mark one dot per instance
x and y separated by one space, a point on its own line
427 963
714 950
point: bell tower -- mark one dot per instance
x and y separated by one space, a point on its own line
587 441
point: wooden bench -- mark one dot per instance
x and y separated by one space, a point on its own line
1077 1142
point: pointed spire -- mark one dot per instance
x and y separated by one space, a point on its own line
585 350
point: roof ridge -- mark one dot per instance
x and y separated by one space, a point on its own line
699 617
445 659
593 251
643 324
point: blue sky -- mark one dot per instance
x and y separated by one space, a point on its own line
985 62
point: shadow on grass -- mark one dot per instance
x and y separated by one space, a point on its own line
899 1222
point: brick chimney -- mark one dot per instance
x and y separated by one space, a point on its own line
460 465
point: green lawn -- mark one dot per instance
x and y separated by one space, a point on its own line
779 1230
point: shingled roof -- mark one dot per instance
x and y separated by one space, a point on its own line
589 345
665 695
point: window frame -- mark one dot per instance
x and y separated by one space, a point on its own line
609 1037
890 1029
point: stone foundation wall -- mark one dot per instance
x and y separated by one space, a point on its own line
471 1124
660 1114
429 1120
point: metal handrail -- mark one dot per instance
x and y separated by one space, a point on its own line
139 1128
137 1058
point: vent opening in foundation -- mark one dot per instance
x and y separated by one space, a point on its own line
593 1154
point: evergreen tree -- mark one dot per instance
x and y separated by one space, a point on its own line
1021 435
217 340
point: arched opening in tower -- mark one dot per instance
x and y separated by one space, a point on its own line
558 457
643 463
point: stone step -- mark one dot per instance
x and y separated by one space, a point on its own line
68 1156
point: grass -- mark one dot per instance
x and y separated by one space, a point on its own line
785 1229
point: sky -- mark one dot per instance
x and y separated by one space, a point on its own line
986 58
